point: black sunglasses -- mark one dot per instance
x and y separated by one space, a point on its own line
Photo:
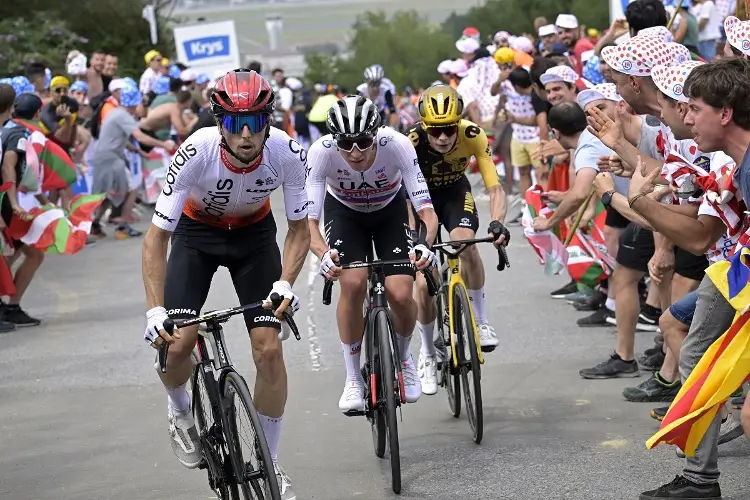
449 131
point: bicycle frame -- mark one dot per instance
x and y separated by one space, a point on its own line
449 265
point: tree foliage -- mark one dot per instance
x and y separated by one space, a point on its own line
57 27
406 45
517 16
409 48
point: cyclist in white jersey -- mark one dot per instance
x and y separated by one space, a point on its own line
382 92
215 207
362 168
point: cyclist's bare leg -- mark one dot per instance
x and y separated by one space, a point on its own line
472 271
398 289
349 317
179 364
425 315
270 384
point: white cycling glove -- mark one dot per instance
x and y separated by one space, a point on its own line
284 289
327 263
155 318
426 253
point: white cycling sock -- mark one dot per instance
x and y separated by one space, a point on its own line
610 304
403 346
179 399
272 431
478 304
351 359
426 332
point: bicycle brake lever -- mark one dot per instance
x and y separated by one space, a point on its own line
164 348
276 300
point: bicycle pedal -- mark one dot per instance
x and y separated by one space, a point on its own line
489 348
354 413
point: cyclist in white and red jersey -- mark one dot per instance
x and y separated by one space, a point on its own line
215 207
381 91
362 167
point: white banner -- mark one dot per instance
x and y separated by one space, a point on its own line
208 47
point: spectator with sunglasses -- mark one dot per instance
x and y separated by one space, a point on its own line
445 143
362 166
60 114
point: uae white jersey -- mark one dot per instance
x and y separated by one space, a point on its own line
380 101
368 191
202 184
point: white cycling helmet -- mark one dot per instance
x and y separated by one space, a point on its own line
353 115
374 74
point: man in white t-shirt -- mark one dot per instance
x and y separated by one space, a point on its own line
709 23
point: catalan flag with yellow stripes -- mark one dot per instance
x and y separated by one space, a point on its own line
721 370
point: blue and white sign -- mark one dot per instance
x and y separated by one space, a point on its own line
208 47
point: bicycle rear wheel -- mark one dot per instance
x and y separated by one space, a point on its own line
389 390
215 455
471 380
449 374
256 477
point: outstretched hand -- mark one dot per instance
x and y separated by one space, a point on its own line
642 182
604 128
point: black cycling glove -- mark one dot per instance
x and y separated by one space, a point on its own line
497 229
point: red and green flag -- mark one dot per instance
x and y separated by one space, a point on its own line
53 230
59 171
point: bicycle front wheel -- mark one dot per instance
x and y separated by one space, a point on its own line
449 375
389 391
471 380
248 448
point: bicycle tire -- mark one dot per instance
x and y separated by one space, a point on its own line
467 332
373 380
451 374
233 381
213 449
389 390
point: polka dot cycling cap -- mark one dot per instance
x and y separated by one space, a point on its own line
738 34
670 80
559 74
638 55
606 91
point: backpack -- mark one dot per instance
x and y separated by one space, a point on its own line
97 103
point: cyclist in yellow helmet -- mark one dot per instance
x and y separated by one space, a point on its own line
445 143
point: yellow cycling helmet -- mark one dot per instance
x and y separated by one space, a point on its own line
504 55
440 106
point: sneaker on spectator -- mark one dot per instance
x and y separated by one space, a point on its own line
614 367
561 292
579 296
96 230
126 231
598 318
653 363
648 319
659 413
17 316
653 390
683 488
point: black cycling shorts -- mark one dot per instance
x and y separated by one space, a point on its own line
455 206
198 250
615 219
353 233
636 248
688 265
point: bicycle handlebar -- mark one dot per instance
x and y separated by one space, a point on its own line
328 285
220 317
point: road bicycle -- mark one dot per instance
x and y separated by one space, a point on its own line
457 328
220 394
384 381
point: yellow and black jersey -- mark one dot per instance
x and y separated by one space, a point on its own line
443 170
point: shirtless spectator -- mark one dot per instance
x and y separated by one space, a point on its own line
109 72
162 118
94 76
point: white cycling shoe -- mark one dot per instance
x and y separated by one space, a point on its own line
487 337
186 443
285 484
412 384
353 397
427 368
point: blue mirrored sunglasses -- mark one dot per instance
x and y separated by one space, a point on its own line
235 123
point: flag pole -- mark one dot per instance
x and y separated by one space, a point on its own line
579 218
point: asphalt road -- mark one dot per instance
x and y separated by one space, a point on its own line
83 416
